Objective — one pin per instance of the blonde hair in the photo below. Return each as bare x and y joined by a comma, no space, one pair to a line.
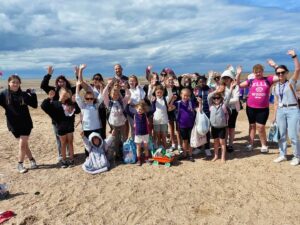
258,67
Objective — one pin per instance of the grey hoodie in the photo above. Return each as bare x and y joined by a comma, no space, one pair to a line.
96,162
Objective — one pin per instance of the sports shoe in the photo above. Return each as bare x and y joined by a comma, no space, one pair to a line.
249,148
208,152
180,150
191,159
63,164
21,168
71,163
279,159
295,161
196,151
229,149
139,163
33,164
264,149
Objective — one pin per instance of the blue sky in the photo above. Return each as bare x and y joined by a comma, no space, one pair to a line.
186,35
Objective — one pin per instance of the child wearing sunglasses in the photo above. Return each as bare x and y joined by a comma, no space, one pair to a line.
219,115
89,111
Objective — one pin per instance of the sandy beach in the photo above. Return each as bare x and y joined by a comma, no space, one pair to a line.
248,189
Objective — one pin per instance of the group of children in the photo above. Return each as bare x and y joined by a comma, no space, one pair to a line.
165,105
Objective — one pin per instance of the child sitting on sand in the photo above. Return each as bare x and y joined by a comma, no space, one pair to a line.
219,114
96,162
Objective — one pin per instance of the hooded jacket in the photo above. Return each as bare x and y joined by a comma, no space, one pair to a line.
96,162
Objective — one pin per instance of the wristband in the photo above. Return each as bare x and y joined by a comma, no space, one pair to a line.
294,56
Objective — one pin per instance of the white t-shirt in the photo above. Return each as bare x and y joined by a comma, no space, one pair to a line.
116,117
161,113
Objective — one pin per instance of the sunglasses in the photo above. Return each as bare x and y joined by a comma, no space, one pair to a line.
217,78
280,73
97,78
216,98
89,99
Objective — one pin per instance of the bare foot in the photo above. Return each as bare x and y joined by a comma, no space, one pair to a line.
223,160
214,159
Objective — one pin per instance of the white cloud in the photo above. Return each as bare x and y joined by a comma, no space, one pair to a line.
188,36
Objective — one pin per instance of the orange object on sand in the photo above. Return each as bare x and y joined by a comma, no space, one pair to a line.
163,159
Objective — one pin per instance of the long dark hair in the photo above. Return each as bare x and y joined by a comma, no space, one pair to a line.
62,77
19,91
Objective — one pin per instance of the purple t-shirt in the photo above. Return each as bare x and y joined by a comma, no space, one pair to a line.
259,92
186,114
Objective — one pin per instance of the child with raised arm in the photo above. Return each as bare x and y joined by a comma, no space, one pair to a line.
137,94
63,113
15,103
96,86
115,104
160,116
219,116
89,110
185,115
141,128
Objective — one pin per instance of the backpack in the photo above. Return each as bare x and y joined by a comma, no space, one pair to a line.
219,117
129,151
110,104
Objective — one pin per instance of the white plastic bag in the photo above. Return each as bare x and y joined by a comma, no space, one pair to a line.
202,123
197,139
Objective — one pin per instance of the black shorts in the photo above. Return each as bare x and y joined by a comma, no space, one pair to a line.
171,115
218,132
19,133
257,115
185,133
232,118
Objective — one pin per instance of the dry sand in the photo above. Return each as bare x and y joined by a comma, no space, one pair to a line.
248,189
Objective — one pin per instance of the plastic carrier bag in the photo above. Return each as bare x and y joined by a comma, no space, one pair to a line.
202,123
274,133
197,139
129,151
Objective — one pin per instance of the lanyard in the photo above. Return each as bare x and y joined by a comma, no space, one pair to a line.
281,90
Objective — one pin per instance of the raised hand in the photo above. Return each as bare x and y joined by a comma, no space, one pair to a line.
51,94
153,98
291,52
82,66
76,70
50,70
211,74
233,84
78,82
239,70
271,63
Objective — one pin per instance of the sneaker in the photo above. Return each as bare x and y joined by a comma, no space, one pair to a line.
71,163
172,148
208,152
180,150
191,159
196,151
279,159
59,159
230,149
33,164
63,164
21,168
139,163
249,148
182,157
264,149
295,161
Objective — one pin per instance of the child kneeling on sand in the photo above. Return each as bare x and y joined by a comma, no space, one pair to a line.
96,162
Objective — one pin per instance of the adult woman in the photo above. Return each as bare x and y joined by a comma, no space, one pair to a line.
19,122
258,104
234,104
287,112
